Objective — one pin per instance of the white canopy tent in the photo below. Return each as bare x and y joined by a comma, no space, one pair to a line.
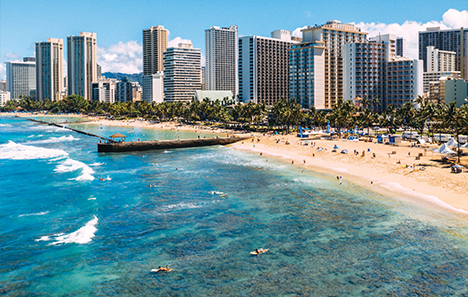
452,143
444,149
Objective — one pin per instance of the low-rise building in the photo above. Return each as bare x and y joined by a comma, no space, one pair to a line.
152,89
104,90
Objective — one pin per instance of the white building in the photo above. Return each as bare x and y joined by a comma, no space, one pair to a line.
335,35
49,69
224,97
221,72
82,65
439,64
404,81
3,85
364,70
21,79
104,90
4,97
182,66
264,68
152,87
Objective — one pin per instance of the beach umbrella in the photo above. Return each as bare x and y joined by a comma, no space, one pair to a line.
444,149
452,143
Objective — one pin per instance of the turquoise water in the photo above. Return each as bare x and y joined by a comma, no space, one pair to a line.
66,232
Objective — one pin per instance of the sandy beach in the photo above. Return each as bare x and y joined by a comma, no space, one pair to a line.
386,169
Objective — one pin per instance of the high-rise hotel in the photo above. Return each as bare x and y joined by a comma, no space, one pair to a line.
264,67
182,66
21,78
221,72
452,40
334,36
155,42
49,69
82,66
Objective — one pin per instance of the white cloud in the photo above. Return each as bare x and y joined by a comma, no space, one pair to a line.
122,57
297,32
455,19
127,57
2,72
175,42
13,57
451,19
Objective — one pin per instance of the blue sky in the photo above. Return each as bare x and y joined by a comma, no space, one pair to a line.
119,24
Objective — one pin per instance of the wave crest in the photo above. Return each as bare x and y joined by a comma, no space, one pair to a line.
15,151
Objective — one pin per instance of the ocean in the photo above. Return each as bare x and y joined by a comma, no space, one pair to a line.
74,222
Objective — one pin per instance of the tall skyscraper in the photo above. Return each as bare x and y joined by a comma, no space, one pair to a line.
307,74
49,69
221,59
452,40
21,79
182,66
364,70
264,68
335,35
82,65
155,41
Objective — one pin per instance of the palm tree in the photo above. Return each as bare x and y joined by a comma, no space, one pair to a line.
452,121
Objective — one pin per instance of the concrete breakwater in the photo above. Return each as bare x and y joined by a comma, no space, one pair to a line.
71,129
166,144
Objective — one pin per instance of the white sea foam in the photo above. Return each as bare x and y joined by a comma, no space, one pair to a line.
166,152
34,214
5,125
15,151
83,235
393,186
70,165
53,140
97,164
92,198
43,238
183,206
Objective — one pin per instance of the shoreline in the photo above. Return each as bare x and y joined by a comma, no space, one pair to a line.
433,187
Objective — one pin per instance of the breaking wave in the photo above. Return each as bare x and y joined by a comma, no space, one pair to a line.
70,165
83,235
53,140
15,151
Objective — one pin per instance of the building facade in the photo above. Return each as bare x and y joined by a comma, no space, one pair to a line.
182,66
104,90
4,97
400,46
3,85
126,91
264,69
439,64
82,65
21,79
452,40
456,90
153,87
307,74
335,35
221,71
403,81
364,70
155,41
49,69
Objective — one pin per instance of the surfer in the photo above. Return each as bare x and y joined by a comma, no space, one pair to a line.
161,269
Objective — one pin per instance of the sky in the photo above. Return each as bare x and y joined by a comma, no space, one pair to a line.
119,24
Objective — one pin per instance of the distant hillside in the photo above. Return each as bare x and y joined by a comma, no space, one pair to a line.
120,76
